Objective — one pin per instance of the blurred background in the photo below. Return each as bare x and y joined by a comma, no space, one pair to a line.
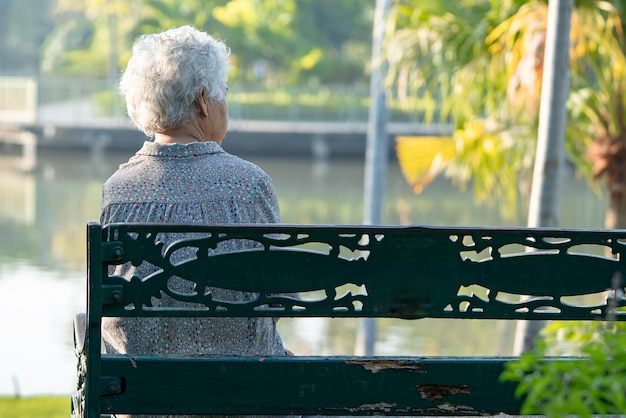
461,82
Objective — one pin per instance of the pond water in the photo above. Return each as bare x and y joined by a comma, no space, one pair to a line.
42,258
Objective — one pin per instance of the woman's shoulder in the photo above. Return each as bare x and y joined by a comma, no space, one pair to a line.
125,172
243,167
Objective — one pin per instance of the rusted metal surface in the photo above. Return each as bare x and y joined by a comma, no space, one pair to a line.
439,392
381,406
377,365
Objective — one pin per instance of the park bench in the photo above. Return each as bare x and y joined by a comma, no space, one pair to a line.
408,272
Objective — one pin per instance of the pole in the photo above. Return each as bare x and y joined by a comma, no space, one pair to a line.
549,157
376,155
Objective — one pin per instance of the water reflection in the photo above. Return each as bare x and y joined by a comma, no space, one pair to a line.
37,306
17,198
42,257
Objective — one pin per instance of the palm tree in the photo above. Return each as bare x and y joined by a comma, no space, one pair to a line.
598,104
440,54
479,63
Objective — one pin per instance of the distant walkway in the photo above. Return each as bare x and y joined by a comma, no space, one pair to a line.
77,113
77,125
81,113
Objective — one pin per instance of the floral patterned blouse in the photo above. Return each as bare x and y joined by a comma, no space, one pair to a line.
197,182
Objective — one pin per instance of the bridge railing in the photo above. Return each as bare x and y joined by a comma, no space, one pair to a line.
18,100
79,101
98,98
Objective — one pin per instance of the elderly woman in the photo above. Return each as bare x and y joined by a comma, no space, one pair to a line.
175,90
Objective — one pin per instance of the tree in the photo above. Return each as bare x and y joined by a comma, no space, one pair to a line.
479,63
160,15
263,36
300,40
90,36
598,104
441,54
337,40
285,41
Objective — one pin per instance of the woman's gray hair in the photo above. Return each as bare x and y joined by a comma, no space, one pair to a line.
167,71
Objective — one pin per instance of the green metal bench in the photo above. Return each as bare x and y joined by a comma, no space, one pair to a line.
408,272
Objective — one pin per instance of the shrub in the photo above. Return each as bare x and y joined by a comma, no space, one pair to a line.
591,380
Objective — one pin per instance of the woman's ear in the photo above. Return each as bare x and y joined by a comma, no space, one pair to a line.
203,102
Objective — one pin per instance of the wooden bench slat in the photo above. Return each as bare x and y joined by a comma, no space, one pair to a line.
310,385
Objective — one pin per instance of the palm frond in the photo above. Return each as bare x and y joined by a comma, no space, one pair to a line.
423,158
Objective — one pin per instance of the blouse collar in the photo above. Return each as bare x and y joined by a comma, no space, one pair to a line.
157,149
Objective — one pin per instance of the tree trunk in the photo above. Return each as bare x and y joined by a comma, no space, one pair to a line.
545,193
615,217
376,155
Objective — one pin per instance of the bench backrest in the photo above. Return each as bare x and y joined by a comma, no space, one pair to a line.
339,271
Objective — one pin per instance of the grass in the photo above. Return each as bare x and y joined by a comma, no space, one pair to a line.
38,406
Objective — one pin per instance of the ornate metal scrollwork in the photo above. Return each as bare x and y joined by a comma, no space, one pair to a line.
364,271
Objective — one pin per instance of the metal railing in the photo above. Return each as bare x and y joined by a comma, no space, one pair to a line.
88,102
79,101
18,100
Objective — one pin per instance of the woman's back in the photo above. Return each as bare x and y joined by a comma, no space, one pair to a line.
194,183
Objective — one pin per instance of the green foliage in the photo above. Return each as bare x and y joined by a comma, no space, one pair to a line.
160,15
323,103
563,386
293,104
441,56
245,102
475,62
49,407
108,103
342,32
89,36
437,47
273,42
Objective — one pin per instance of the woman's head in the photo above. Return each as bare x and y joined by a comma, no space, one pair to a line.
166,74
